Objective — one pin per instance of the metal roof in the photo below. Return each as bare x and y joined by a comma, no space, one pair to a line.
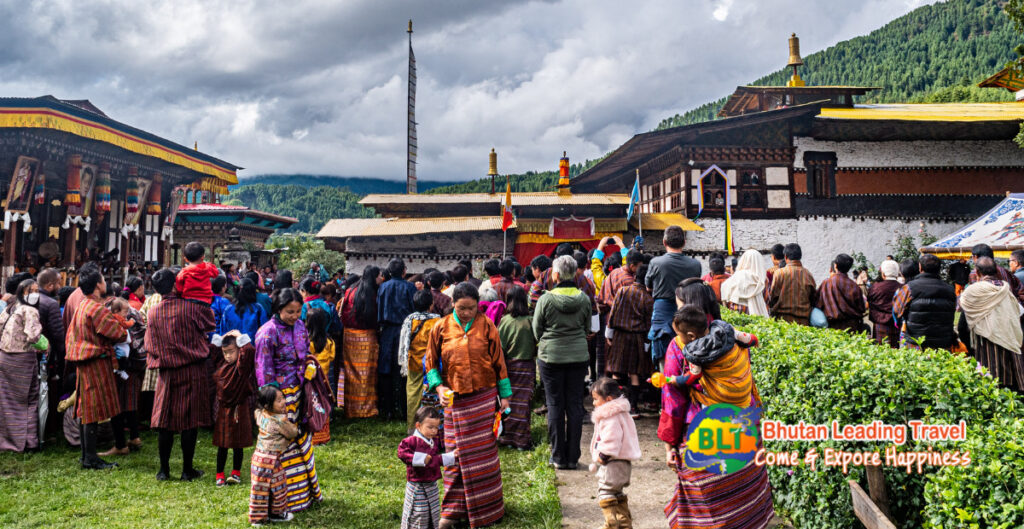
209,210
929,112
518,199
83,119
392,227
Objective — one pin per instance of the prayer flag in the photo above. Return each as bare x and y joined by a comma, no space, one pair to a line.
506,211
634,197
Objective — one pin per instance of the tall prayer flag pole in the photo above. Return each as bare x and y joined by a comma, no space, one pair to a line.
507,217
410,186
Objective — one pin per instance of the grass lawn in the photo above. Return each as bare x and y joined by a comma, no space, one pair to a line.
362,479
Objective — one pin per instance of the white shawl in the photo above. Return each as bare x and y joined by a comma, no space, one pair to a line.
746,285
993,313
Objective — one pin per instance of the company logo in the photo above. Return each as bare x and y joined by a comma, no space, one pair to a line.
722,438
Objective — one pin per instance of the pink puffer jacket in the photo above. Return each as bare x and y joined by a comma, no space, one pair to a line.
614,432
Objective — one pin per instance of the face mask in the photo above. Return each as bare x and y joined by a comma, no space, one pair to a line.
32,298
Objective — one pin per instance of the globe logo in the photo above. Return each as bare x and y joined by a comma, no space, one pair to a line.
722,438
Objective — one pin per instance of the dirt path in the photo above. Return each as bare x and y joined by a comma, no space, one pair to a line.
651,486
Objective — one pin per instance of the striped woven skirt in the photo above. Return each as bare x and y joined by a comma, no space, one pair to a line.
742,500
359,392
1006,366
97,390
128,391
19,401
182,399
149,381
323,436
627,356
472,488
269,488
522,375
297,460
422,508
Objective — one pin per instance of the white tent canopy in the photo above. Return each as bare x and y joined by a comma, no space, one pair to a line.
1002,228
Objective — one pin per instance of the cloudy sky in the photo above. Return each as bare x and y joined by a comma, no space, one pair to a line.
319,87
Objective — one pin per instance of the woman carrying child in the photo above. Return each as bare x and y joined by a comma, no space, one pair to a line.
131,362
268,499
710,363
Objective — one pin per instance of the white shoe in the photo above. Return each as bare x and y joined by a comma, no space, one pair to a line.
287,517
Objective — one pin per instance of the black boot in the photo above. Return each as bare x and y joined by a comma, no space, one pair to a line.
634,397
90,460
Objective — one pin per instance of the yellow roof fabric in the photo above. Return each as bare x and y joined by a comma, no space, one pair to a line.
660,221
930,112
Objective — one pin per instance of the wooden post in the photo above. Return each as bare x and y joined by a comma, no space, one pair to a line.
865,509
10,252
70,246
877,490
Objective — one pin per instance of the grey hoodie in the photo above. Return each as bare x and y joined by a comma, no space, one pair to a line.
560,323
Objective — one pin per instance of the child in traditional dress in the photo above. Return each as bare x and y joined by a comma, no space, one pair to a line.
193,282
423,459
235,385
268,501
321,346
412,347
716,355
119,308
614,447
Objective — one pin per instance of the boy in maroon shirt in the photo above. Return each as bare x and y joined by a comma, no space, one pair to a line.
423,459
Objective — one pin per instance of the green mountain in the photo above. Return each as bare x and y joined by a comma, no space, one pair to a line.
356,184
313,206
936,53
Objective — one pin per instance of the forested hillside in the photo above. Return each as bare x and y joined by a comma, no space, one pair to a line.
356,184
528,182
935,53
313,206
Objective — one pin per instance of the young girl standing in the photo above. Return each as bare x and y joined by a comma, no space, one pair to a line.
322,347
520,347
235,385
614,447
268,501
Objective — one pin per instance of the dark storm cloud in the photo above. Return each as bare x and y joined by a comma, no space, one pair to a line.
319,87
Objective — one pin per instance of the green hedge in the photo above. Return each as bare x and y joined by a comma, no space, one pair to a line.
822,375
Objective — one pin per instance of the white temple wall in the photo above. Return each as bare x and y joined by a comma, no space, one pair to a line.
821,239
888,154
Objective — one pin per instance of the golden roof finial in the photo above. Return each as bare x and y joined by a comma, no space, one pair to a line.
795,61
410,25
493,171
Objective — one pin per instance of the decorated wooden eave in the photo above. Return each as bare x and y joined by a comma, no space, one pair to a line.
83,120
228,214
1010,78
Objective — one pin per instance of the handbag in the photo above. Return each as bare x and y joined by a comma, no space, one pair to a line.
818,318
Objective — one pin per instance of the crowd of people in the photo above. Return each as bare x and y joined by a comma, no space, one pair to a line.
458,359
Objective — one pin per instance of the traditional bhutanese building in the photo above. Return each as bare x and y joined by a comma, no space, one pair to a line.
210,224
809,165
436,231
81,186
